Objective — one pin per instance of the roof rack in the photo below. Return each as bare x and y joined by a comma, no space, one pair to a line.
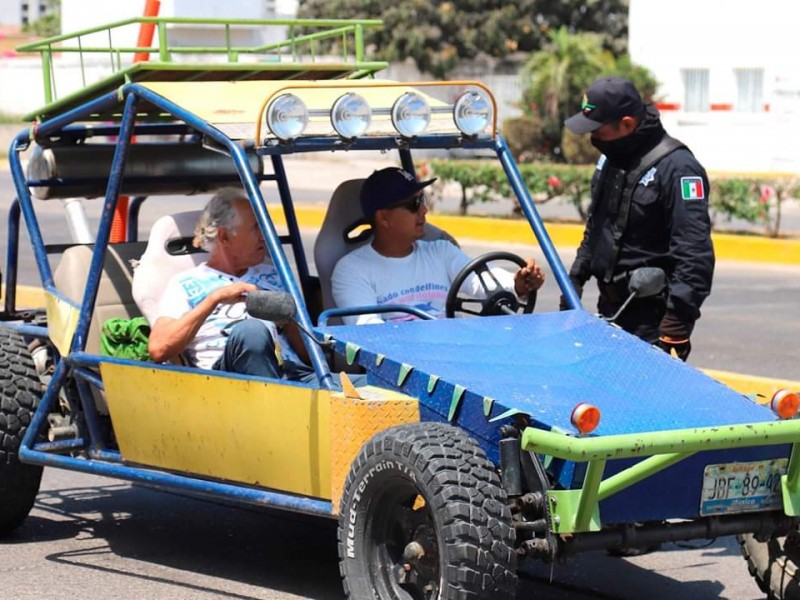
296,57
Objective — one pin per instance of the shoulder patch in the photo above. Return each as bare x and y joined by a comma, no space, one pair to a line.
600,162
692,188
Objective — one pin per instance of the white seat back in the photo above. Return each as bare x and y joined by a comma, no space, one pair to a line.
169,251
114,297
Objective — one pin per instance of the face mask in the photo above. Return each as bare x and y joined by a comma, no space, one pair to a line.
624,152
620,151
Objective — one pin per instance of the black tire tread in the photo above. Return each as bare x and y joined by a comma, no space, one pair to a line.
20,392
775,570
468,497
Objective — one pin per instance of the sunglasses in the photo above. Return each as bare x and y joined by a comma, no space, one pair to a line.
414,204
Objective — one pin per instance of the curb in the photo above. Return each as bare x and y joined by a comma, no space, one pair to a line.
726,246
763,387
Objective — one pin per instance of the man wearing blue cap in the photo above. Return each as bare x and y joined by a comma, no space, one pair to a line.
649,208
398,267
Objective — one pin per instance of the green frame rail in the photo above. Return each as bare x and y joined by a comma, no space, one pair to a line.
578,510
300,51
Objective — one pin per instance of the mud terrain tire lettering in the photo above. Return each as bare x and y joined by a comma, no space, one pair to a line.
428,486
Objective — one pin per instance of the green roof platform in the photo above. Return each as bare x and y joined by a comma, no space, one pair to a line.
298,57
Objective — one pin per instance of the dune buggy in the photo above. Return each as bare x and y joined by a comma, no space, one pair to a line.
477,443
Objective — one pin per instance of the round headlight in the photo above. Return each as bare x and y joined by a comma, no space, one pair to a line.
411,114
351,115
472,113
287,117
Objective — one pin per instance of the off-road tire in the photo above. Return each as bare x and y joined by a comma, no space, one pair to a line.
775,564
20,392
431,484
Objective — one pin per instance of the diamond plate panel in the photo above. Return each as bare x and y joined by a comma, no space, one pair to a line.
353,422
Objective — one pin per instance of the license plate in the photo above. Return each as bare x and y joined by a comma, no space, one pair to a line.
742,487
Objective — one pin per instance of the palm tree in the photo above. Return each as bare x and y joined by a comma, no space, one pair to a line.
558,75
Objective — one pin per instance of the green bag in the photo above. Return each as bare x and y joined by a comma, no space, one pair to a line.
125,338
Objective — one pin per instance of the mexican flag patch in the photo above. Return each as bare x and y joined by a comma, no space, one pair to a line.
692,188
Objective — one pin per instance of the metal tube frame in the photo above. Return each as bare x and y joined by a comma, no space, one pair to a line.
12,258
660,450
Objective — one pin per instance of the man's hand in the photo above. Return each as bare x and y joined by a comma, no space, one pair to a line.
169,337
234,292
528,278
677,348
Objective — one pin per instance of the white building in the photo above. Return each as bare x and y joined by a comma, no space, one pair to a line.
71,73
729,74
18,13
78,15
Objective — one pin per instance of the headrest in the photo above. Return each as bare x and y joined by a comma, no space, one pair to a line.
169,251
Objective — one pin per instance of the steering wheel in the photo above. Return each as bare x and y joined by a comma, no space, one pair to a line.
498,300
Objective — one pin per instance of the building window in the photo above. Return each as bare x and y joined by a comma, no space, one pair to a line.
695,86
749,90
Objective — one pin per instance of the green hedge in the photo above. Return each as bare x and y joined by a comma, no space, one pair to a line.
755,199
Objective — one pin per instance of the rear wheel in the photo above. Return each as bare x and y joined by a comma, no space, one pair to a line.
775,564
20,392
424,517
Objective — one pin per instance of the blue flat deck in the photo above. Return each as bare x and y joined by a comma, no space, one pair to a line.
544,364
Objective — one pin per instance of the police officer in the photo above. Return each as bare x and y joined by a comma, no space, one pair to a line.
649,207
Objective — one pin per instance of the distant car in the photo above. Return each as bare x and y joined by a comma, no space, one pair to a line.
478,443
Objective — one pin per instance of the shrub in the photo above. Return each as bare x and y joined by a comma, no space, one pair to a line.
523,136
756,200
578,149
483,181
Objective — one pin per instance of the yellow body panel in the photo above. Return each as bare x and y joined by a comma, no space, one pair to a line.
62,320
353,422
266,434
272,435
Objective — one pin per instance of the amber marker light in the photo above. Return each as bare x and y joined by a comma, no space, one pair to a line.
785,404
585,418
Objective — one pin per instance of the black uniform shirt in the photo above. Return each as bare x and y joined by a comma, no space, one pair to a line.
668,226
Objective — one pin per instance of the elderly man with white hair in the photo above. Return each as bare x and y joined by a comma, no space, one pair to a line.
202,311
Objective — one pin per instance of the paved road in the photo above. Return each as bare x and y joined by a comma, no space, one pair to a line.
99,538
96,537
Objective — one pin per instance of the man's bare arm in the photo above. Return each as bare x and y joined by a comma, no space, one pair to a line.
169,337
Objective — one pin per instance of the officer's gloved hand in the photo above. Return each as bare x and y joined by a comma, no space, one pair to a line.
562,302
675,348
674,336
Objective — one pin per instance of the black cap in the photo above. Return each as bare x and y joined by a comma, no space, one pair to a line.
607,100
387,187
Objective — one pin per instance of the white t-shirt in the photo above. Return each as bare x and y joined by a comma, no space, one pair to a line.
187,289
422,279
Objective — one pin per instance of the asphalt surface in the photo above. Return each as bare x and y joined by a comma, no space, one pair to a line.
91,537
95,537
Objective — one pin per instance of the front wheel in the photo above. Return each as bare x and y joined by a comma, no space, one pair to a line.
424,517
775,564
20,392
